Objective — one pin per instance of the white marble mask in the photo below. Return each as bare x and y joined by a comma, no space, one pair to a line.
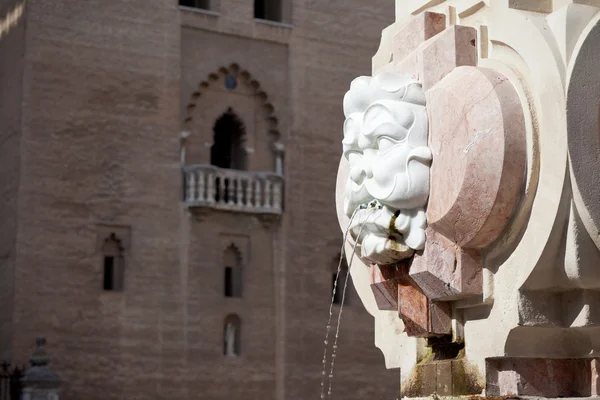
385,142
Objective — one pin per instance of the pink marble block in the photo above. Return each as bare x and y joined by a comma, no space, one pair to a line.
455,47
444,271
421,316
420,29
544,377
384,284
477,137
413,308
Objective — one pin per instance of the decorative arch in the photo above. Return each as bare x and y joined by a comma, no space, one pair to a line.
234,70
232,254
112,246
229,135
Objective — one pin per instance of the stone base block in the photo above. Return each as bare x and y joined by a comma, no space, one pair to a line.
446,272
421,316
443,378
542,377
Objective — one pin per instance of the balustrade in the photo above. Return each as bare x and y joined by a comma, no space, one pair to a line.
256,192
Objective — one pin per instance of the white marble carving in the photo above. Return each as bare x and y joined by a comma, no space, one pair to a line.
385,142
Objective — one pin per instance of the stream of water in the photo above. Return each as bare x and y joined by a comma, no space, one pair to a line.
337,332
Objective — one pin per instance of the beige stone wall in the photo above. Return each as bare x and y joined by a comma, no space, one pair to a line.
106,91
210,373
12,48
99,147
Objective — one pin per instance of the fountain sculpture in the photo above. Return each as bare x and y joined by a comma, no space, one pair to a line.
470,186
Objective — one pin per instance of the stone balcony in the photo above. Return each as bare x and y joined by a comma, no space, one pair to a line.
233,190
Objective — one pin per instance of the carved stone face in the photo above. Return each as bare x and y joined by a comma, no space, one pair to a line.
385,142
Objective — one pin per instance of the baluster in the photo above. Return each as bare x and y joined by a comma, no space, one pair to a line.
277,196
201,186
210,192
220,188
249,193
191,186
267,193
240,192
257,194
231,191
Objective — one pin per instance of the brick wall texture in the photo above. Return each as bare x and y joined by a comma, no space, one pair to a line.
93,96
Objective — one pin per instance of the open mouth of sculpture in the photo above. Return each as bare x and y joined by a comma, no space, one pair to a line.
386,237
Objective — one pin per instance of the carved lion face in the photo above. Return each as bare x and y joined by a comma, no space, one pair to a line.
385,142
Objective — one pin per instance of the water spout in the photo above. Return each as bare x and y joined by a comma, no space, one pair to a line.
326,341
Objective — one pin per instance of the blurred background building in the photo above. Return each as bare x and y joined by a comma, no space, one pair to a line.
167,212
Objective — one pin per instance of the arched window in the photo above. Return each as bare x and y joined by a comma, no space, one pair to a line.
341,281
228,150
233,272
114,264
232,335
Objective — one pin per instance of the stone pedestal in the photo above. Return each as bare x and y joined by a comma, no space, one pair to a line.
39,381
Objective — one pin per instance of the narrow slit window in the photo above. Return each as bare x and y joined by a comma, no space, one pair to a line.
233,281
113,266
109,272
228,282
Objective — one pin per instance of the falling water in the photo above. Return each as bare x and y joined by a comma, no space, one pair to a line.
339,268
337,331
326,342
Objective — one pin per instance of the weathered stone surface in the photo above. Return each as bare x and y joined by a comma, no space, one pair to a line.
444,378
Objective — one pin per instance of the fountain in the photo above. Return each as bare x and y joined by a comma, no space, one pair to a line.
469,184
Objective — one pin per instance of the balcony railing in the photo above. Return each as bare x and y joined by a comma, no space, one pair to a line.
228,189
